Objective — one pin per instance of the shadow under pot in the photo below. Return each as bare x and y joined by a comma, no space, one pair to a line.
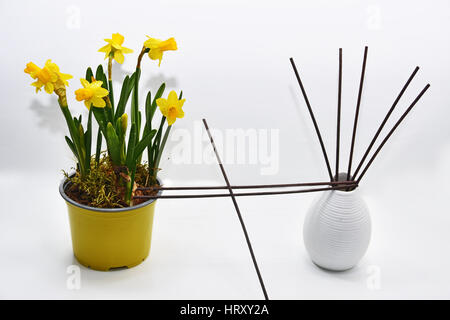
105,239
337,230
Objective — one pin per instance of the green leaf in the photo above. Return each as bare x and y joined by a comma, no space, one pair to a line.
113,144
138,125
82,144
161,148
153,148
130,85
98,149
100,116
89,74
100,76
158,95
134,99
160,130
71,146
76,121
148,105
121,135
111,94
124,95
140,147
130,162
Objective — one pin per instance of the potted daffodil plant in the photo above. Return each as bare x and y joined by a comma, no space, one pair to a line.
110,227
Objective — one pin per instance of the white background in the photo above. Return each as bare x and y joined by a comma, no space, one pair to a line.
233,67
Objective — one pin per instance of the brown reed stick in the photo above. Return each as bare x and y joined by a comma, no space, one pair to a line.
313,118
238,211
411,77
255,186
338,127
355,123
246,194
392,131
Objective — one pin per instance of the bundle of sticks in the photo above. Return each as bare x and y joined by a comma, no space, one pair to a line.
352,179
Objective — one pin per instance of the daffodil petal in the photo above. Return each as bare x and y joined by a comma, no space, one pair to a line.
49,87
116,46
181,102
106,49
117,38
98,102
152,43
84,82
171,120
161,102
96,84
118,56
172,98
127,50
180,113
101,92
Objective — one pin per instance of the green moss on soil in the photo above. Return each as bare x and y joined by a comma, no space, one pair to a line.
103,187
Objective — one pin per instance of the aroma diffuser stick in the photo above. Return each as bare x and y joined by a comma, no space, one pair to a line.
384,122
311,113
355,123
392,131
254,186
246,194
338,133
238,211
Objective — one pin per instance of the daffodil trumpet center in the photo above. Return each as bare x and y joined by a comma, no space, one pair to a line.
92,93
167,45
84,94
172,113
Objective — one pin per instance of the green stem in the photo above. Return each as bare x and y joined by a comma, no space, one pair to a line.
110,85
73,134
155,148
130,185
161,149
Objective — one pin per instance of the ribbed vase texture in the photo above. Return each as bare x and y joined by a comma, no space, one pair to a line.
337,230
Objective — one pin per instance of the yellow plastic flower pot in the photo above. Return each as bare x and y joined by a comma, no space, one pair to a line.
105,239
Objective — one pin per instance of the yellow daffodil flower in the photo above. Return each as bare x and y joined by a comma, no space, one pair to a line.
48,77
157,47
92,93
115,48
171,107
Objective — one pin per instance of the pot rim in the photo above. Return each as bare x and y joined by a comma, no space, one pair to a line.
62,188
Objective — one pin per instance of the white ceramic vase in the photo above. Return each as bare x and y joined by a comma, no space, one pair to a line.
337,230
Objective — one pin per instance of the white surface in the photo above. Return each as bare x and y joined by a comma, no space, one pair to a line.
233,67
